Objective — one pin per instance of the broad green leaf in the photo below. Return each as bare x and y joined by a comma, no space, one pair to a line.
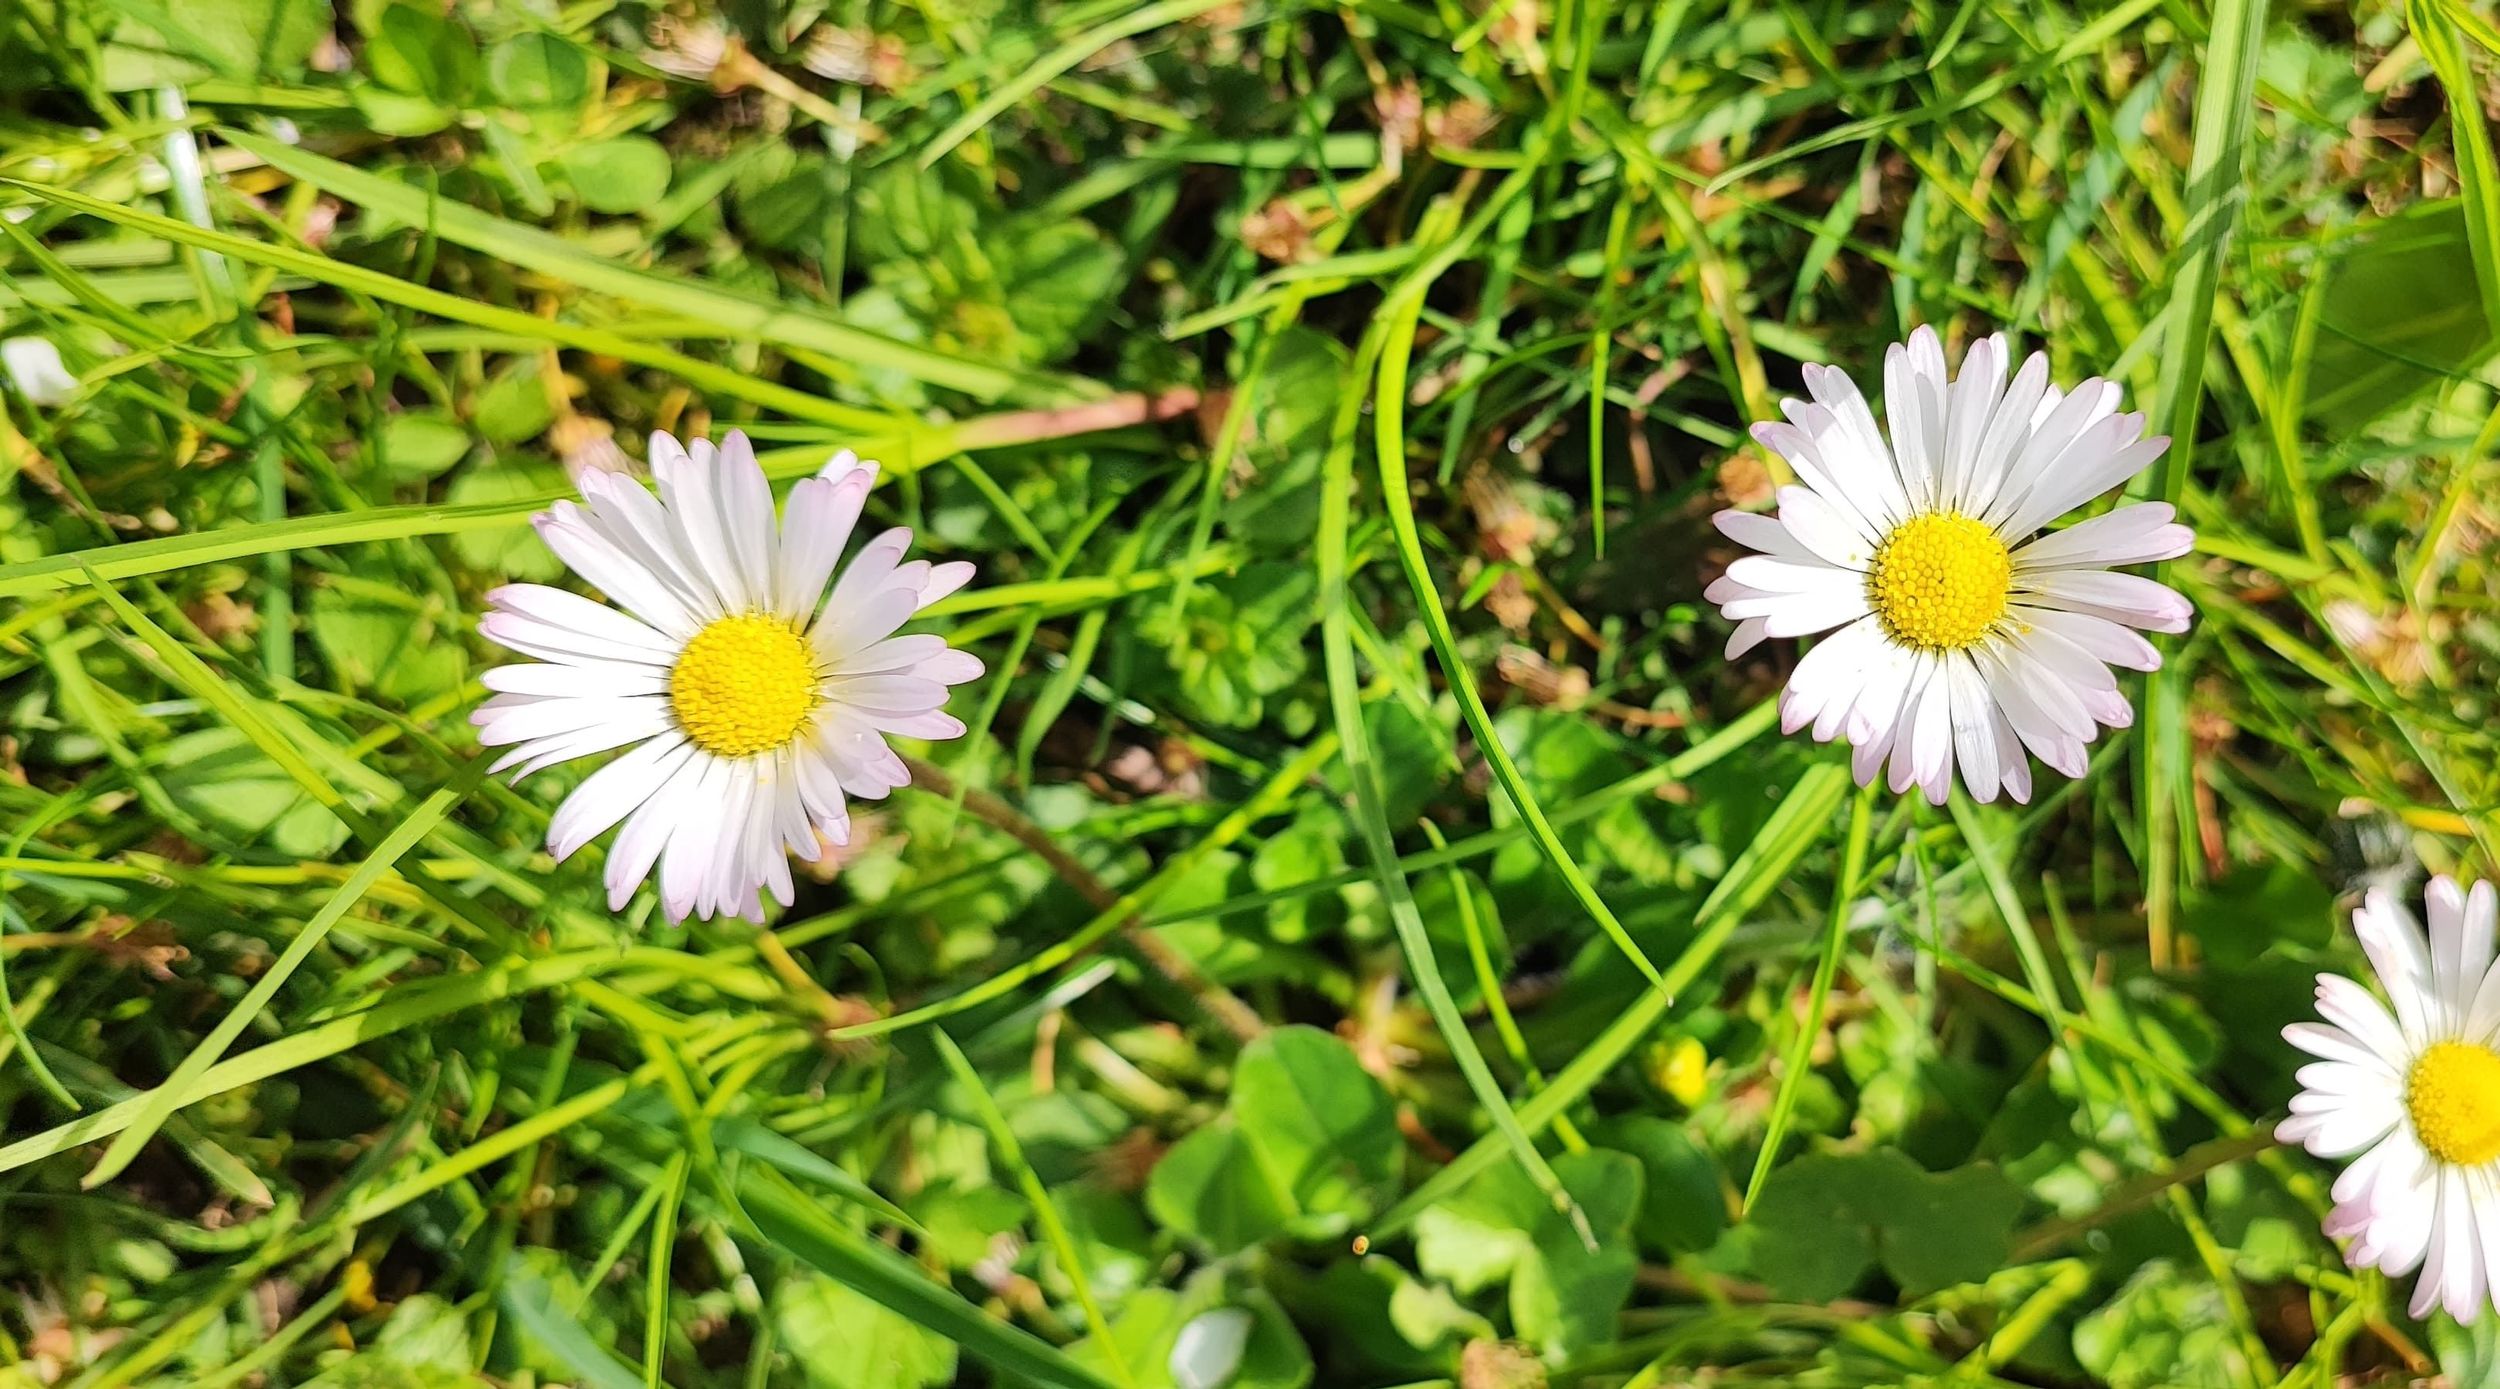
626,174
186,40
422,444
1683,1196
2165,1328
218,775
1825,1219
538,71
2393,324
512,553
1209,1186
1564,1296
390,649
843,1340
1319,1125
419,52
794,1224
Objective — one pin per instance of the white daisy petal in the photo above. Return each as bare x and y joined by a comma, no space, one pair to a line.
2413,1099
1972,645
753,704
2128,598
2136,534
1822,529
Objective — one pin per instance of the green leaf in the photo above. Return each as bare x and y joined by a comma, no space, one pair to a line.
843,1340
1309,1147
2163,1329
514,553
389,648
793,1223
217,775
419,52
1826,1218
1564,1295
1209,1186
403,114
538,71
422,444
1683,1201
626,174
534,1305
1319,1125
2258,908
186,40
2393,324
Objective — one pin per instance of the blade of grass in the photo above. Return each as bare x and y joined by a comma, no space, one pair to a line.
172,1094
792,1223
2478,177
1794,1065
710,376
780,324
1369,813
1064,58
1063,1246
2217,185
1798,824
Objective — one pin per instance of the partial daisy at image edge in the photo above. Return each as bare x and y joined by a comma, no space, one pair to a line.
755,703
2412,1097
1963,633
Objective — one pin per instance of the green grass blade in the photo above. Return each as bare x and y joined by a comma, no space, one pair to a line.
162,1101
780,324
1800,1055
1063,1246
406,1006
1389,414
710,376
1370,817
2436,30
2217,185
794,1225
1796,826
1041,71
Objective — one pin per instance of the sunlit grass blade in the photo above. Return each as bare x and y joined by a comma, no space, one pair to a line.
1370,819
1799,1058
2436,29
1063,1246
782,324
172,1093
1799,824
794,1225
1040,72
2226,99
723,381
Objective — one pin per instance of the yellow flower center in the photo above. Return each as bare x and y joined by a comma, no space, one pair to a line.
2454,1098
743,685
1939,581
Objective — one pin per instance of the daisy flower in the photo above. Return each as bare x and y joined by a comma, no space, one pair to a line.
2416,1096
755,702
1966,633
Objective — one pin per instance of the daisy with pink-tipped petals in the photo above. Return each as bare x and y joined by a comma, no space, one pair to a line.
753,701
1965,636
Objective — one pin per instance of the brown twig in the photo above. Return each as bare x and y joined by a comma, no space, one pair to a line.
1220,1003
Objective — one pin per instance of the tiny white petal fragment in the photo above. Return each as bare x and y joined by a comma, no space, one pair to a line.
1208,1351
35,370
